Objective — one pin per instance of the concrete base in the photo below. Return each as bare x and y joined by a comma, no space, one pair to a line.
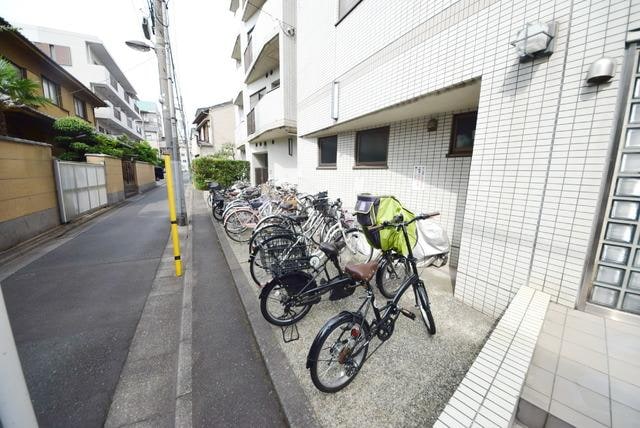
146,187
17,230
115,197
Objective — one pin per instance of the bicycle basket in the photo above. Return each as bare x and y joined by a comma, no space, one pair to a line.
372,211
281,254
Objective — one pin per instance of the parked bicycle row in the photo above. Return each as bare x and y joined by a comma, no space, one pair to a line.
302,247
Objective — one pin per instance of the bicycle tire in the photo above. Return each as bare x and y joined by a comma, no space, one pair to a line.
348,320
240,234
265,296
392,262
425,310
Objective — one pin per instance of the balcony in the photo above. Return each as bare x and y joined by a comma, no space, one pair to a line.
235,53
105,86
118,122
267,59
267,120
250,8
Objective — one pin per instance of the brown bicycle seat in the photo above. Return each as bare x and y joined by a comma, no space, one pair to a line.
362,271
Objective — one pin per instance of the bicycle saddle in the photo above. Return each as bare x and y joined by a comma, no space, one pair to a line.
331,249
297,218
362,271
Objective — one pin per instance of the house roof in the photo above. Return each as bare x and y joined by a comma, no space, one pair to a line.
17,37
201,112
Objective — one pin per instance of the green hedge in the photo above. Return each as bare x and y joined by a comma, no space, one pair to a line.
224,171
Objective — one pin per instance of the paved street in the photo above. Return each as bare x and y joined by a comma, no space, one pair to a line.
231,386
74,311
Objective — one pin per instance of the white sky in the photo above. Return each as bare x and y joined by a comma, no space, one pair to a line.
202,36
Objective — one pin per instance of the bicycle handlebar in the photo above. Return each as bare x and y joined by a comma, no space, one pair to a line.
398,221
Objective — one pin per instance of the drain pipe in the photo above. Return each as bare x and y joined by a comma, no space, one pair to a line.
15,405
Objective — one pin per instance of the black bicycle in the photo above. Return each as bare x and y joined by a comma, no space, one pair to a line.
287,298
340,347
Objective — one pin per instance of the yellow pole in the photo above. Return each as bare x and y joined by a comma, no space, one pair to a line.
172,215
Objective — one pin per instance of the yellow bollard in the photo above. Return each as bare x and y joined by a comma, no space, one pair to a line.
172,215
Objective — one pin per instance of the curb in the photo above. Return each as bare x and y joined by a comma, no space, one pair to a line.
293,400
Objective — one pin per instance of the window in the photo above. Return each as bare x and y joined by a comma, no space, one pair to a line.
60,54
126,97
463,132
113,82
80,108
372,146
51,91
275,84
22,73
327,151
253,99
345,7
290,142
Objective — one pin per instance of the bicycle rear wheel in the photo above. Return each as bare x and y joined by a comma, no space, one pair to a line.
425,309
240,224
357,249
338,352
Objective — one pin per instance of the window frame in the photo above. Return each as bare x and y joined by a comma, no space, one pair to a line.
365,165
319,143
77,100
341,18
21,70
58,101
456,152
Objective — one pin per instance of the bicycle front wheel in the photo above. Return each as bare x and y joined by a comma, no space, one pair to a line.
425,309
338,352
393,270
240,224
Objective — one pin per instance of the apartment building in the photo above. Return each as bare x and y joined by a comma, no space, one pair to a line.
87,58
151,123
214,128
519,121
265,55
67,95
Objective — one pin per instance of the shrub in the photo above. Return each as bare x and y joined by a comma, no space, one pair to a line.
73,127
224,171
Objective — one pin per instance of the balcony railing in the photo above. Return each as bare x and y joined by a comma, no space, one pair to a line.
251,122
248,56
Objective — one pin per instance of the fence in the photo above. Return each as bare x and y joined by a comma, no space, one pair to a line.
82,187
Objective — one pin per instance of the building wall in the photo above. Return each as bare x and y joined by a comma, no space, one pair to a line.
113,172
542,134
442,187
223,123
28,201
36,68
145,176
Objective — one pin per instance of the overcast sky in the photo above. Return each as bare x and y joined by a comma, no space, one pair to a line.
202,31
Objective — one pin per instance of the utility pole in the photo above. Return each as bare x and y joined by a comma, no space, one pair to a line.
168,108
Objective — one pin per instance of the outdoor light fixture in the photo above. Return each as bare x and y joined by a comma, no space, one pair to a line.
334,100
601,71
139,46
535,40
432,125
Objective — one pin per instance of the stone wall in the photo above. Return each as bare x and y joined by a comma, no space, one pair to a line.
145,176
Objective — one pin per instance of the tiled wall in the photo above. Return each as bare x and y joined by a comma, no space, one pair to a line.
442,188
541,137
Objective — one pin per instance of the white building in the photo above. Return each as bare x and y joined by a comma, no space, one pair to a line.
214,128
534,167
151,123
265,54
87,58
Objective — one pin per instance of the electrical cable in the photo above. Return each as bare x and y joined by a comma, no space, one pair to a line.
273,17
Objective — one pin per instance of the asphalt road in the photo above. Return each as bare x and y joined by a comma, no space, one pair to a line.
74,311
231,386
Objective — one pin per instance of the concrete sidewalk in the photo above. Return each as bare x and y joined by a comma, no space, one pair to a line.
74,310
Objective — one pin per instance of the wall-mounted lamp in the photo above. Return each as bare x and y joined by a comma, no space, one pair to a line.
432,125
601,71
535,40
335,93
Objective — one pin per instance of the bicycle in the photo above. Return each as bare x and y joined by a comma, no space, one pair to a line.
340,347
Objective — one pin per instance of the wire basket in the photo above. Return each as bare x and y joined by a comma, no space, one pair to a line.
283,254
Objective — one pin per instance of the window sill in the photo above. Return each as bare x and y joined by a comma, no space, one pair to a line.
370,167
326,167
459,155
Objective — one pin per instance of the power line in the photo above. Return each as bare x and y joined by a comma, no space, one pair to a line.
273,17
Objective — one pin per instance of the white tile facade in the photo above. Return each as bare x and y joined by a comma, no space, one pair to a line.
541,139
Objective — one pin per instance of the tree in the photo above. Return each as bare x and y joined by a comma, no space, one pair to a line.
227,151
16,93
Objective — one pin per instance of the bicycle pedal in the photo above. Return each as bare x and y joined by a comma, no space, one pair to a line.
408,314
